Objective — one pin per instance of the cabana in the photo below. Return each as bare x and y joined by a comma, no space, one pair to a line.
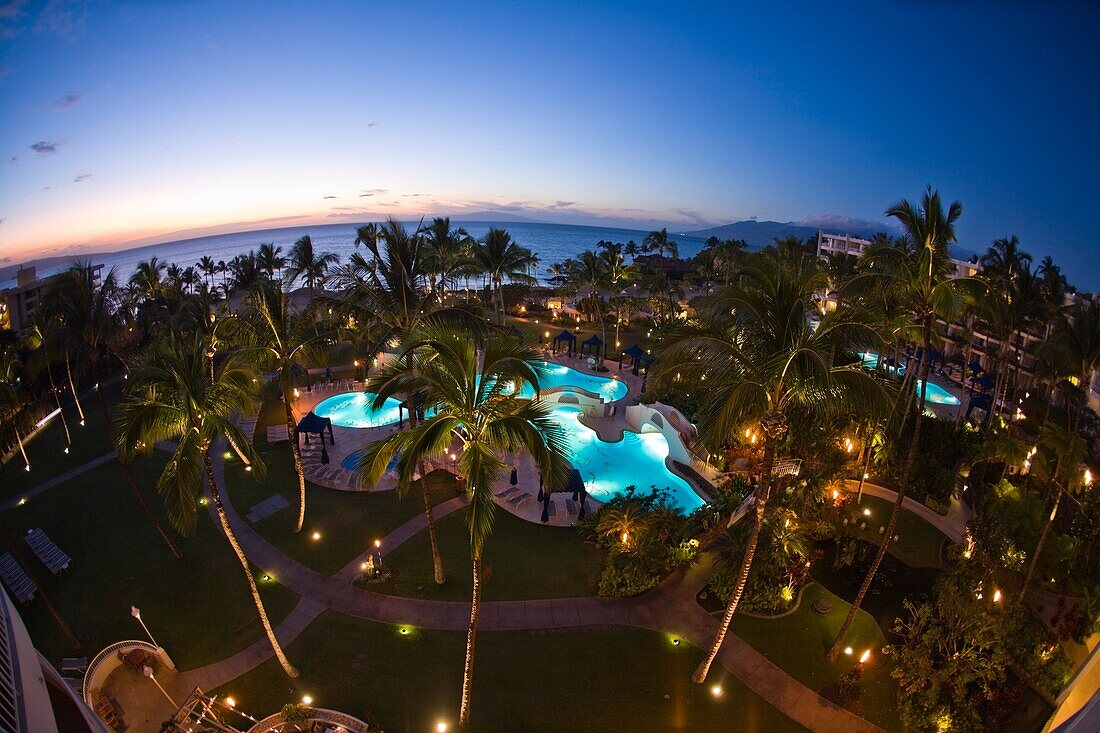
317,425
594,343
567,337
635,353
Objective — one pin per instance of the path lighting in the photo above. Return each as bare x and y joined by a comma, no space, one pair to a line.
316,536
865,656
307,700
848,650
716,691
441,727
996,596
866,476
297,394
1088,477
230,702
866,512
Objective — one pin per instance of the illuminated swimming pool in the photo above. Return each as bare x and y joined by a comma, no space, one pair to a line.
936,394
636,460
353,410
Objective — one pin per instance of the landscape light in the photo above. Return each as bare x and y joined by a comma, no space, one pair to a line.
716,691
231,702
1088,477
996,596
848,650
363,566
378,543
316,536
866,512
441,727
866,655
307,700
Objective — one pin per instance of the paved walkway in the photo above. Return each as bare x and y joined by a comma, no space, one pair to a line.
671,608
56,480
953,524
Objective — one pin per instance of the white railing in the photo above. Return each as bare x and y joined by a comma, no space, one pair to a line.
106,662
274,723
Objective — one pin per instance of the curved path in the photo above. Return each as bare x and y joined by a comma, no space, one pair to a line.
952,524
671,609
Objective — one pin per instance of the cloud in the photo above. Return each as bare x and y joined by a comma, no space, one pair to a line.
558,205
13,160
46,147
82,177
64,18
65,102
364,195
330,197
3,220
840,222
413,195
372,124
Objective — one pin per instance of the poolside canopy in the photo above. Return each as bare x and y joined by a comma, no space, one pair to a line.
566,336
317,425
635,352
594,343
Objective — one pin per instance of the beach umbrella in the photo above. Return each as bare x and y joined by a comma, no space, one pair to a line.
324,451
584,506
635,352
546,508
514,478
540,486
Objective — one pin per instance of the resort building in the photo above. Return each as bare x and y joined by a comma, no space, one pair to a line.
34,697
965,340
18,303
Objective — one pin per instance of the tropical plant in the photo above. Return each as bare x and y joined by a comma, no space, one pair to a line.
178,394
921,277
445,249
88,313
283,340
754,350
479,410
659,242
304,262
500,258
270,259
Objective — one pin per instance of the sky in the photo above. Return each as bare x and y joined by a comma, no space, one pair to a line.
132,122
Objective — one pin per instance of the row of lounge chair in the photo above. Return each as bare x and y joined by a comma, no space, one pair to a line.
516,497
17,580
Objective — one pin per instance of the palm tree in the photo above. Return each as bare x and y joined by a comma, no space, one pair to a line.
147,279
499,257
11,399
1062,452
755,352
477,409
919,274
658,241
270,258
631,249
281,339
1077,340
177,395
208,267
304,262
1004,261
444,251
89,315
591,271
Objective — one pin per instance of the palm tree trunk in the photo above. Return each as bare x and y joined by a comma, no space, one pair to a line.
19,440
1042,541
903,482
149,514
216,496
437,557
471,638
296,454
72,388
771,437
61,412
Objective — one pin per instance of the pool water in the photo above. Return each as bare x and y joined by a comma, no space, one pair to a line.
636,460
935,394
353,410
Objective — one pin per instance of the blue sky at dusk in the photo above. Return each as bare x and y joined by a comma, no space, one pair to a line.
134,121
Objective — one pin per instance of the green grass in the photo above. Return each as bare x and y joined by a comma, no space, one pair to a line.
797,644
621,680
523,560
198,608
349,522
627,336
919,543
46,449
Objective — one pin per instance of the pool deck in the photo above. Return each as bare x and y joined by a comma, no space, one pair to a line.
349,440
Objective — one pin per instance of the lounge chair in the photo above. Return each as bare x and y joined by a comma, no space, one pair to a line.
519,500
18,582
570,506
507,492
45,550
551,510
74,665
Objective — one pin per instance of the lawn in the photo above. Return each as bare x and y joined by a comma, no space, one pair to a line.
198,608
523,560
623,679
919,543
46,449
797,644
348,521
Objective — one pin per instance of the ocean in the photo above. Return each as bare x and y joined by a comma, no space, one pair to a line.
551,242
